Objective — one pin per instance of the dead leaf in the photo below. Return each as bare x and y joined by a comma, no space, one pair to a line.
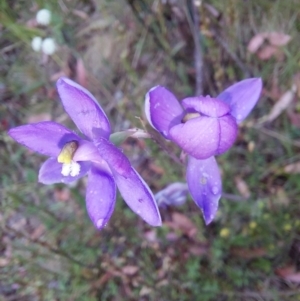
151,236
81,14
293,110
199,250
251,146
4,261
296,80
280,106
156,169
274,93
54,77
8,247
285,271
32,23
248,253
145,291
18,223
103,279
39,117
281,198
278,38
242,187
293,277
38,231
98,24
293,168
166,266
269,51
212,10
255,42
172,236
163,282
275,40
4,125
130,270
182,223
81,73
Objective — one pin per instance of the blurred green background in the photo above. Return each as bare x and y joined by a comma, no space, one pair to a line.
119,49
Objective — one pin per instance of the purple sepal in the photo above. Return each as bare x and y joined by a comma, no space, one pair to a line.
83,109
113,156
242,97
162,109
205,185
46,138
138,196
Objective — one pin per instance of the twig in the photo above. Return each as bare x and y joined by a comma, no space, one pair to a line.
278,136
161,142
234,197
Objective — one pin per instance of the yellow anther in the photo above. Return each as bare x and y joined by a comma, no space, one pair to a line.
67,152
189,116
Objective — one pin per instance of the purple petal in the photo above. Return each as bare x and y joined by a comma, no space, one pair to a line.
228,133
83,108
205,185
206,105
138,196
162,109
100,196
46,137
242,97
87,151
113,156
50,172
199,137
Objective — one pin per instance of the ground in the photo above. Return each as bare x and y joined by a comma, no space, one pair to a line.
120,49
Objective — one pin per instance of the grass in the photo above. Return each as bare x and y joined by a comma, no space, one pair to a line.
49,249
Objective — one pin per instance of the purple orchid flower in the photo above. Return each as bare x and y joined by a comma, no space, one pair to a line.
203,128
71,157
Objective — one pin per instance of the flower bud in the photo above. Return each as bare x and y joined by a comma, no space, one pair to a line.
43,16
36,44
118,138
48,46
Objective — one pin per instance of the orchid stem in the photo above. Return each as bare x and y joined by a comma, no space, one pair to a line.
198,58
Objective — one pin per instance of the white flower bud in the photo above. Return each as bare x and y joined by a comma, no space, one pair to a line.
48,46
43,16
36,44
